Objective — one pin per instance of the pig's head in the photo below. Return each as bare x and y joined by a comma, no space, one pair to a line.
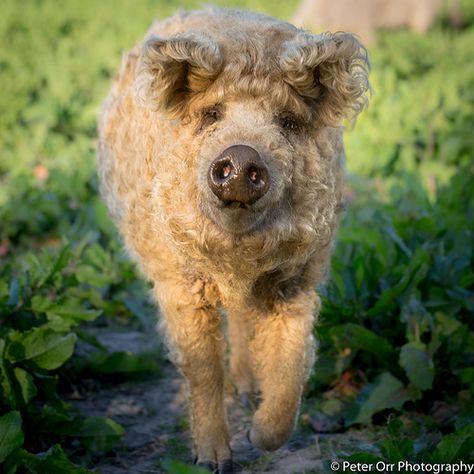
258,114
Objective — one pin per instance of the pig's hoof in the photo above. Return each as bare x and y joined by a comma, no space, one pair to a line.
270,441
226,467
243,449
245,400
210,465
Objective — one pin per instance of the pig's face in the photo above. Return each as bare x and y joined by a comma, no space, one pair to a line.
246,162
259,142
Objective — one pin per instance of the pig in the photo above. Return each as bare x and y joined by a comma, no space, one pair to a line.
221,161
364,17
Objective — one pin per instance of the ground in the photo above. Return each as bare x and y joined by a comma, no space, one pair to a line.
153,412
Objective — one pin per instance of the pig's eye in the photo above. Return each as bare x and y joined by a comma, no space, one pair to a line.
210,116
289,123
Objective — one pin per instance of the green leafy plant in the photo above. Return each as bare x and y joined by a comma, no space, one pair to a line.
397,311
36,339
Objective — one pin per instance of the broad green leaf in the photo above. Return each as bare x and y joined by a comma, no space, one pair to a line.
384,392
53,461
63,315
46,348
397,449
26,382
418,365
11,435
457,446
99,433
358,337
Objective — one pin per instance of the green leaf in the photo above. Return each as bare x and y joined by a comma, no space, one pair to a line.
43,346
446,325
53,461
47,384
98,269
14,292
11,435
99,433
384,392
457,446
466,376
145,313
397,449
7,380
63,315
57,421
93,276
418,365
176,467
3,289
411,278
123,363
358,337
417,318
26,382
59,264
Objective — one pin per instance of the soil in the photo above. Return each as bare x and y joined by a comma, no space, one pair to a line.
154,413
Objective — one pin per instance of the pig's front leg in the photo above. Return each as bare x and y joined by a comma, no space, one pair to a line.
283,355
193,335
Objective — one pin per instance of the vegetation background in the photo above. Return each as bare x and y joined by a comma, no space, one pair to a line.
396,333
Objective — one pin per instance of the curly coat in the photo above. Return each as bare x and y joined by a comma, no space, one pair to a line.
201,82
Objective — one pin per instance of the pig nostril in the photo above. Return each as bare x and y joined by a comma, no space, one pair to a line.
222,171
226,171
255,176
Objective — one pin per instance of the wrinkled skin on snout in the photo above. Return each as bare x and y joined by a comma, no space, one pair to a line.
221,161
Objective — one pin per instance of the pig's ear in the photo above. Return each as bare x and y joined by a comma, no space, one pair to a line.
174,68
330,71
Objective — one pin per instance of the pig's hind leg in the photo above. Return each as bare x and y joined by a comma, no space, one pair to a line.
240,332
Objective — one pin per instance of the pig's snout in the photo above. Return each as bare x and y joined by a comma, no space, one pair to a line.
238,176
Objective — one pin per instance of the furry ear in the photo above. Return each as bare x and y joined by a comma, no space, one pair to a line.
330,71
172,69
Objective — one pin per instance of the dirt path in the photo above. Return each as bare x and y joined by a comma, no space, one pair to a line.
153,411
